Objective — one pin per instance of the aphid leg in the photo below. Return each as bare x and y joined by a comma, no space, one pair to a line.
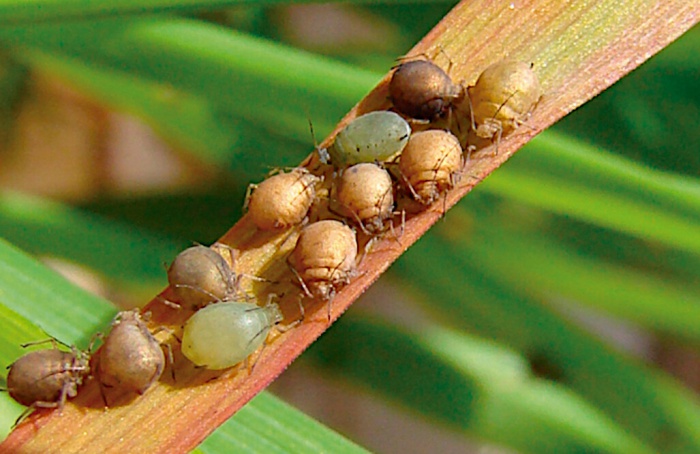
301,281
167,347
169,303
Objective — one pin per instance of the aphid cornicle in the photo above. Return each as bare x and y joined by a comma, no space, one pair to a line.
420,89
46,378
503,97
223,334
131,359
324,258
199,276
282,200
373,137
364,194
429,163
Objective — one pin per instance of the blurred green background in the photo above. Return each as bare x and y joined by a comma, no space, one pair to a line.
547,312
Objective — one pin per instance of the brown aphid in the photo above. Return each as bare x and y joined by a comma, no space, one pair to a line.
364,194
282,200
324,258
503,98
47,378
429,164
420,89
199,276
131,359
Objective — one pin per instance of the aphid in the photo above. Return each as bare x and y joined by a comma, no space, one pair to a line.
373,137
503,97
224,334
131,359
364,193
324,257
283,200
199,275
46,378
429,163
420,89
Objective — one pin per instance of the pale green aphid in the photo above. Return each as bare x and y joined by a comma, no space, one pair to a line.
223,334
373,137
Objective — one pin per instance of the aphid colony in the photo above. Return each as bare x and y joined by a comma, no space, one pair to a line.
376,160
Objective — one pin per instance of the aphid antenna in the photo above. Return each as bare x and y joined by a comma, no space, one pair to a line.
323,154
51,339
248,194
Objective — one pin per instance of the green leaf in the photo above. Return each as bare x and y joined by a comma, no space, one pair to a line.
469,384
648,404
268,425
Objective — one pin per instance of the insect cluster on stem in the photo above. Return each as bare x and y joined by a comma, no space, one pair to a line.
378,160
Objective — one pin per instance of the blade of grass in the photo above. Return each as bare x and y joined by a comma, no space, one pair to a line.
567,177
268,425
115,250
201,58
579,48
471,385
648,404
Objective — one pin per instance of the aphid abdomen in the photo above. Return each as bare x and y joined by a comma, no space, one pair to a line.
372,137
283,200
199,276
324,257
422,90
224,334
503,97
364,194
429,164
131,358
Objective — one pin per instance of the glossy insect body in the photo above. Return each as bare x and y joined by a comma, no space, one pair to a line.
503,97
131,358
283,200
420,89
224,334
46,378
429,163
324,257
372,137
364,193
199,276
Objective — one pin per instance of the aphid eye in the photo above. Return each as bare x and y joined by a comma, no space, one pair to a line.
503,97
131,359
46,378
372,137
282,200
364,194
199,276
223,334
324,257
429,164
422,90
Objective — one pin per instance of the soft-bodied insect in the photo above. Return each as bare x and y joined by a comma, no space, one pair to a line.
430,163
503,97
200,275
364,194
282,200
422,90
131,359
324,258
373,137
47,378
223,334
